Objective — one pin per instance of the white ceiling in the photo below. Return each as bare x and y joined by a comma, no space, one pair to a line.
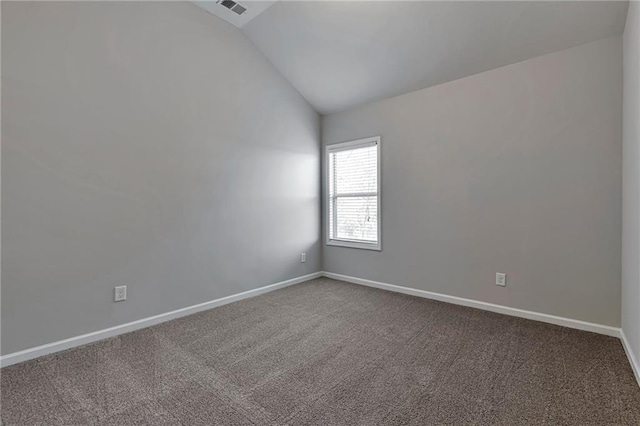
343,54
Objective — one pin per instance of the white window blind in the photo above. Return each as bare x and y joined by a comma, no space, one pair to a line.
353,194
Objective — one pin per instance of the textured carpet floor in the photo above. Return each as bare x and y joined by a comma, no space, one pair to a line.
326,352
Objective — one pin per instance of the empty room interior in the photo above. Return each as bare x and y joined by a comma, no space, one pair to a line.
320,213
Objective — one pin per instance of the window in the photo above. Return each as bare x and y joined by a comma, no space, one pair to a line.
353,194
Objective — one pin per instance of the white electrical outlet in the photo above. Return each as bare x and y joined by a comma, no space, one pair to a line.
501,279
303,257
120,293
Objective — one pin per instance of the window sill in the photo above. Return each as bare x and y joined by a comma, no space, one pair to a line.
355,244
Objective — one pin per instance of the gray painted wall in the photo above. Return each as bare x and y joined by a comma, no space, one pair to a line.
147,145
514,170
631,182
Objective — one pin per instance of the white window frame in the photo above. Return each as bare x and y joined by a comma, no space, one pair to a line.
359,143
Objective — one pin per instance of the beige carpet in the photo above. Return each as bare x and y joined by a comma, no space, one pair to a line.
327,352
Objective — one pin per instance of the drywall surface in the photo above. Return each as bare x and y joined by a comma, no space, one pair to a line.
342,54
148,145
631,182
515,170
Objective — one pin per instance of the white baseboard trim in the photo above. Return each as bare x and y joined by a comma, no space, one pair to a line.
633,360
521,313
49,348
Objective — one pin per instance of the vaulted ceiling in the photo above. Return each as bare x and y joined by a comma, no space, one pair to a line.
340,54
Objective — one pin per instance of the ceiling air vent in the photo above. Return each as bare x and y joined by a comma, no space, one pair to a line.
232,5
239,9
